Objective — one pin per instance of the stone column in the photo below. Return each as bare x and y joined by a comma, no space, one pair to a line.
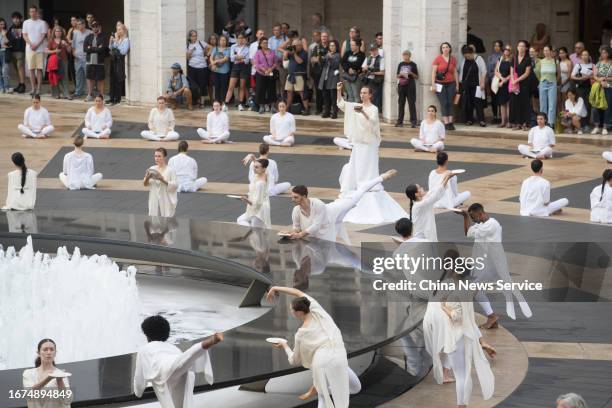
419,26
200,17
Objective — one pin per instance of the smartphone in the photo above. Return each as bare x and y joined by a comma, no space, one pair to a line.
358,108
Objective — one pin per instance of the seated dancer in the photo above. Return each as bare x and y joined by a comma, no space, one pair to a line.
78,170
541,140
607,156
217,126
403,227
312,217
161,123
535,194
98,120
186,170
170,371
452,198
601,199
282,127
161,180
36,121
431,133
274,187
318,345
257,214
21,194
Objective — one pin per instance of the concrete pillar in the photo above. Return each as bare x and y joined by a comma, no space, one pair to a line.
200,17
419,26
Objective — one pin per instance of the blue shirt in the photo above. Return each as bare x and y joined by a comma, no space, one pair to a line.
218,54
274,43
239,50
294,67
123,46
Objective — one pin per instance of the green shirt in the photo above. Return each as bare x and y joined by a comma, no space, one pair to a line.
546,70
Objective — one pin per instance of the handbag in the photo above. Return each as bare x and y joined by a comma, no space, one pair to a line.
513,86
441,75
275,73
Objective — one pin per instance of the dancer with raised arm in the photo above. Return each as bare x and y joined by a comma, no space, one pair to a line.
36,121
257,214
186,169
78,170
98,120
274,187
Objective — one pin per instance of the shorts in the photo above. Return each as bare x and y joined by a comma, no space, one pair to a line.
297,87
18,59
35,59
242,71
94,72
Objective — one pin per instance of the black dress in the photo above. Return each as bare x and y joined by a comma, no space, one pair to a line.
503,96
520,106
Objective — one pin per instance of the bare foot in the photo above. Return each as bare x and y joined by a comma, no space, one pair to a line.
308,394
286,145
207,141
559,211
388,174
448,377
491,322
491,352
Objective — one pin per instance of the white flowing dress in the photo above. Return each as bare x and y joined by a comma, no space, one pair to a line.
163,198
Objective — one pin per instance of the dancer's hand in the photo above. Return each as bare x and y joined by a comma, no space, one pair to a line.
280,344
272,293
248,158
297,235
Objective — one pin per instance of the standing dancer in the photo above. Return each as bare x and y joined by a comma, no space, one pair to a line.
274,187
161,180
257,214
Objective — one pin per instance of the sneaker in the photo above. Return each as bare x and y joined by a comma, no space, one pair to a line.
604,131
262,110
240,107
89,98
224,108
580,132
451,126
268,108
399,124
595,130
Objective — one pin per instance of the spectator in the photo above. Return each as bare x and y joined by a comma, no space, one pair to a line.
582,74
472,72
89,18
407,74
520,109
533,81
492,62
58,50
295,58
118,46
239,55
502,71
213,41
220,66
475,41
374,74
80,61
571,400
274,42
73,27
378,39
548,73
265,64
603,75
354,34
96,47
178,90
18,47
316,51
253,48
35,34
565,68
445,83
540,38
352,61
328,82
4,56
285,27
317,24
574,112
197,66
578,48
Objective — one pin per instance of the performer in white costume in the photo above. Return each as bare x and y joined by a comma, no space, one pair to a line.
36,121
21,194
535,194
601,199
161,180
170,371
431,133
282,127
404,228
274,187
161,123
362,124
541,140
607,156
318,345
257,214
98,120
452,197
217,126
78,170
186,170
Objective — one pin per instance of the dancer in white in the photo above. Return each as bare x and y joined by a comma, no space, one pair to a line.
170,371
217,126
601,199
186,170
318,345
257,214
431,134
161,180
541,140
161,123
535,194
452,197
607,156
404,228
21,194
282,127
274,187
98,120
312,217
362,125
36,121
422,207
78,170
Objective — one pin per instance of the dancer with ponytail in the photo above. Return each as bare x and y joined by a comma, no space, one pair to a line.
601,199
21,193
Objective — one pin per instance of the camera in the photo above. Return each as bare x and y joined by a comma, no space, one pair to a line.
320,51
290,48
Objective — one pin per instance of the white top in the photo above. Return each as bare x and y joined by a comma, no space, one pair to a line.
272,171
431,133
423,216
79,168
98,121
160,122
488,231
586,70
357,128
535,194
36,31
372,60
253,48
30,378
15,200
185,168
540,138
317,224
171,372
217,123
36,119
163,198
601,206
260,202
282,126
198,57
450,192
578,108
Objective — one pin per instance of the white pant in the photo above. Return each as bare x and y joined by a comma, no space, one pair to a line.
343,143
97,135
279,188
250,221
95,179
550,208
354,387
419,145
222,138
461,198
337,209
147,134
27,132
483,300
525,150
290,140
463,379
607,156
192,186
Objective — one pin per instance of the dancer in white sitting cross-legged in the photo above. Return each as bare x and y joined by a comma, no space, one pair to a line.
282,127
78,170
431,133
161,123
601,199
217,126
36,121
98,120
541,140
186,170
607,156
452,197
535,194
274,187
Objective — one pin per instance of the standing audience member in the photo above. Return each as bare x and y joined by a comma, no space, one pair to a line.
186,170
217,126
239,55
89,18
354,34
582,74
197,65
58,50
577,55
445,82
316,51
252,85
548,73
36,121
534,83
18,48
80,57
374,74
565,70
220,66
161,123
603,77
378,40
574,112
78,169
473,73
35,32
5,43
21,194
265,64
119,46
282,128
328,82
296,60
541,140
352,61
407,74
178,90
98,120
213,42
96,47
520,108
492,62
73,27
161,180
502,71
317,23
274,42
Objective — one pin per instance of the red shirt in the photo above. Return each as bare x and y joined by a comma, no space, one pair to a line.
442,68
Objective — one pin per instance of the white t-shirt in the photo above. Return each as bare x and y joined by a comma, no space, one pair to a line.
36,31
36,119
431,133
252,51
535,194
217,123
540,138
198,57
282,126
